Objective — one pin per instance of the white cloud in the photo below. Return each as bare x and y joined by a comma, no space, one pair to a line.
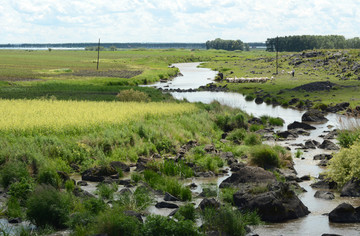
172,20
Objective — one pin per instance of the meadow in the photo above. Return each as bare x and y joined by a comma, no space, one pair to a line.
60,117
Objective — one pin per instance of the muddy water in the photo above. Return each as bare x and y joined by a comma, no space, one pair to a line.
316,223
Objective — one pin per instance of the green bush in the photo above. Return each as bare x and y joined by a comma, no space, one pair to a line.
255,127
172,168
47,206
49,176
132,95
264,156
106,191
167,184
114,223
276,121
22,189
227,194
14,209
228,221
136,177
186,212
157,225
13,171
237,135
345,165
252,139
137,201
249,97
347,138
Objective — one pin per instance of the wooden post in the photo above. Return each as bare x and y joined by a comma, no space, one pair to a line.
97,66
277,54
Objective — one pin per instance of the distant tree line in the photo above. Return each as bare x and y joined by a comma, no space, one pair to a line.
299,43
108,45
229,45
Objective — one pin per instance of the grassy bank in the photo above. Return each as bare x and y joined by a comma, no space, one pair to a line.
335,66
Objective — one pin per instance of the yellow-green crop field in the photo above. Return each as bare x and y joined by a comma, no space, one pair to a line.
64,116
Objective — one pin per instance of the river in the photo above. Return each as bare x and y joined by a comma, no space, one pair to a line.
316,223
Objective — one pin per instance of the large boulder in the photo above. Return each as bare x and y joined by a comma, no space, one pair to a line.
324,184
120,165
324,195
351,189
209,202
338,107
328,145
300,125
98,174
314,116
287,134
248,174
277,205
166,205
345,213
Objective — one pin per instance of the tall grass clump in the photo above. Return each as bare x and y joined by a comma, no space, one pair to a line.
48,207
172,168
227,221
264,156
167,184
13,171
139,200
163,226
114,222
132,95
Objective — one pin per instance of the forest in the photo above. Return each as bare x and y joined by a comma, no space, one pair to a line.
297,43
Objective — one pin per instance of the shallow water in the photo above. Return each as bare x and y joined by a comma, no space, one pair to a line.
316,223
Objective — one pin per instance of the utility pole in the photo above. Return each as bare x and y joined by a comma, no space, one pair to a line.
97,66
277,54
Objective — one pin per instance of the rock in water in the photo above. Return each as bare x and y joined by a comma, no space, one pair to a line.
328,145
345,213
300,125
314,116
248,174
277,205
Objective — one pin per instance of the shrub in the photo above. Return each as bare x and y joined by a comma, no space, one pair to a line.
137,201
237,135
47,206
106,191
170,168
49,176
69,186
227,194
252,139
167,184
114,223
12,172
22,189
276,121
265,156
13,209
186,212
347,138
132,95
228,221
94,205
136,177
249,97
255,127
163,226
345,165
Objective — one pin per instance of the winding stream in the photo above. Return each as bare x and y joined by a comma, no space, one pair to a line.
316,223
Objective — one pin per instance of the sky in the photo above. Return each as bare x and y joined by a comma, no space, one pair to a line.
196,21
